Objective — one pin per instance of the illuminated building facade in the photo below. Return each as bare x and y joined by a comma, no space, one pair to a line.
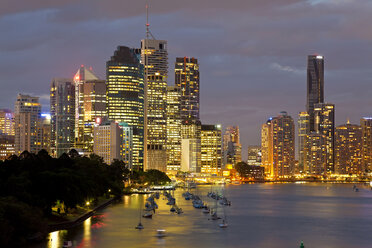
324,123
108,141
267,147
190,146
211,149
126,151
366,125
315,85
126,97
45,132
254,155
187,79
154,56
27,116
348,149
231,146
62,111
283,145
6,122
315,154
303,130
173,128
90,106
7,146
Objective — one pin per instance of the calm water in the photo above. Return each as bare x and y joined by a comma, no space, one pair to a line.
261,215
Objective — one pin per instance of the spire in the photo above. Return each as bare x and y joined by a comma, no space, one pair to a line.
148,33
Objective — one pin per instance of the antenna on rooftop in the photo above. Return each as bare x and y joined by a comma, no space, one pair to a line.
148,33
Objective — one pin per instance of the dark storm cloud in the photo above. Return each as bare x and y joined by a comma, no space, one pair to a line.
252,54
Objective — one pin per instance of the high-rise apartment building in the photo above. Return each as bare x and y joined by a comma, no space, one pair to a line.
187,79
303,130
27,111
231,146
366,125
315,85
90,106
315,154
254,155
126,97
6,122
190,146
211,149
62,111
45,132
324,123
154,56
173,128
348,149
126,151
6,146
267,147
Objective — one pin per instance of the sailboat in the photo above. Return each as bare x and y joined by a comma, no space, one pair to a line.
224,221
140,226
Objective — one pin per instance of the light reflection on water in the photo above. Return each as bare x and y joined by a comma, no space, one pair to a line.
261,215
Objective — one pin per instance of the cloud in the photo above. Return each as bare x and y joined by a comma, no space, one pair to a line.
279,67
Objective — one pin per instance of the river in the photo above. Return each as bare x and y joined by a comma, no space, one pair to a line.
261,215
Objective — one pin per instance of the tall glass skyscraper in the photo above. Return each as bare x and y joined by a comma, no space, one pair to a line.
173,128
62,111
187,79
126,97
315,85
303,130
154,56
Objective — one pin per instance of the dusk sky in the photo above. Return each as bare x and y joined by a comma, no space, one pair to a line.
252,53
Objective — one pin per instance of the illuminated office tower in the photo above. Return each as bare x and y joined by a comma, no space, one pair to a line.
267,147
108,141
324,123
27,112
62,111
254,155
6,122
315,154
211,149
315,85
45,132
283,143
366,125
126,151
90,106
303,130
154,56
348,149
190,146
231,146
173,128
126,97
7,146
187,79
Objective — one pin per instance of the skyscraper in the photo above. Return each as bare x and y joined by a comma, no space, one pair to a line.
173,128
27,112
315,85
6,122
211,149
154,56
315,154
231,145
324,123
277,142
190,146
303,130
90,106
348,149
126,97
187,79
366,125
267,147
62,110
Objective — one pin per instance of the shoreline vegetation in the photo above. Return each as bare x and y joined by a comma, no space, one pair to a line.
40,194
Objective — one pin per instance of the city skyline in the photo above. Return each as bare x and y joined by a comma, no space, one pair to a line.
260,72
